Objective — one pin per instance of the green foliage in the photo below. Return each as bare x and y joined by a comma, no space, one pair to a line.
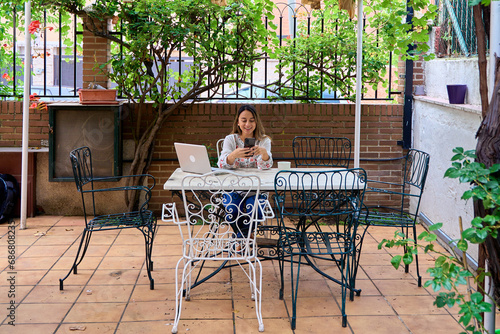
212,155
220,40
477,2
451,271
12,14
226,41
485,187
323,53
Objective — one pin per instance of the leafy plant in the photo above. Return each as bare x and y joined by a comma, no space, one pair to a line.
322,55
212,155
451,271
225,42
12,14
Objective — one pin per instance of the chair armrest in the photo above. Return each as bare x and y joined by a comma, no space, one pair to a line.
170,214
363,214
377,182
266,209
372,189
118,178
142,205
124,188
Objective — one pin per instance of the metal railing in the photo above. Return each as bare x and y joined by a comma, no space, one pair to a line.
51,79
56,63
457,35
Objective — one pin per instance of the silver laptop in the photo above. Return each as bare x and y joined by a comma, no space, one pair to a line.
193,158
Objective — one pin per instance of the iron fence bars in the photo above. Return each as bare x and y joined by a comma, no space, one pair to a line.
8,50
293,20
457,35
56,66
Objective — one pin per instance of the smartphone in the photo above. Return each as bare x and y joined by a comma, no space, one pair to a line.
249,142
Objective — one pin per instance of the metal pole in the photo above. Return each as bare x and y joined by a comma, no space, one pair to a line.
489,286
408,90
291,21
26,113
494,42
359,81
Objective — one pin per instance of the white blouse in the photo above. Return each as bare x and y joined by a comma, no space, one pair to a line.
232,142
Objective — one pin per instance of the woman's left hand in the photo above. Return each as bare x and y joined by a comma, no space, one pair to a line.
259,150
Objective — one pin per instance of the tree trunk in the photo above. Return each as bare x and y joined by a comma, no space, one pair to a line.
488,134
481,57
143,156
488,153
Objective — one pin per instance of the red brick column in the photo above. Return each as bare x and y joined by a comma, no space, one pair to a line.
418,76
96,51
401,81
418,72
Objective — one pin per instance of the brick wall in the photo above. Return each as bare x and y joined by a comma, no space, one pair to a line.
381,129
11,122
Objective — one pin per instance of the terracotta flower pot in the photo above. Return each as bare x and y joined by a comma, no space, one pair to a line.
97,96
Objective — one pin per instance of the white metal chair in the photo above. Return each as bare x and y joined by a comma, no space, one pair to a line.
265,231
212,234
170,214
220,145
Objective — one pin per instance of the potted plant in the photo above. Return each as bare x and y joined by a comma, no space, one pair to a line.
97,96
456,93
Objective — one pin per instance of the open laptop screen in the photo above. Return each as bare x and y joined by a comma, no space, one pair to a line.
193,158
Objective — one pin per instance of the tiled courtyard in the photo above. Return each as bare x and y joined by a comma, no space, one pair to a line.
110,293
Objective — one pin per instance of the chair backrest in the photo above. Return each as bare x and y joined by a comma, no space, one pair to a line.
321,151
415,175
220,145
416,168
211,216
317,194
81,162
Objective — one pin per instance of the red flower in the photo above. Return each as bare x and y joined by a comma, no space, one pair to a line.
34,97
34,105
34,26
50,28
6,77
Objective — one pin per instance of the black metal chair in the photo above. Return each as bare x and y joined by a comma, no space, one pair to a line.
142,219
309,197
316,151
410,190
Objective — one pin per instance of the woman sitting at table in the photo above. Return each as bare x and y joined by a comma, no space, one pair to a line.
247,124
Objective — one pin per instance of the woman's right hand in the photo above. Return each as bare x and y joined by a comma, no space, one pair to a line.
241,152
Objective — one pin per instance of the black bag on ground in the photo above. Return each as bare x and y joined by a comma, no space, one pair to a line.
9,193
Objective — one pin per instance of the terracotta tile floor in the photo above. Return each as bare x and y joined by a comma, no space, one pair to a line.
110,293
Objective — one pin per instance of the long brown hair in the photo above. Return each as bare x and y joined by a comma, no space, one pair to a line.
259,131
